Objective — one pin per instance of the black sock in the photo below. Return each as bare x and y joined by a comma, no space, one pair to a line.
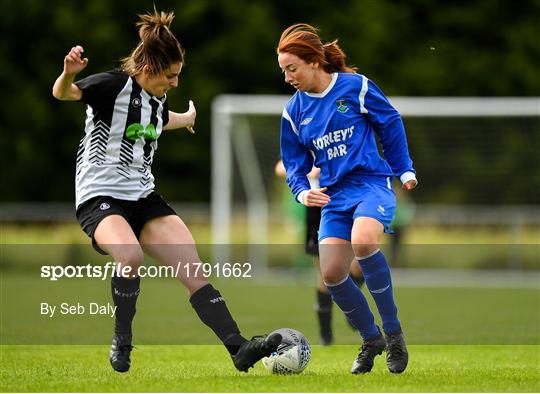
124,294
213,311
324,312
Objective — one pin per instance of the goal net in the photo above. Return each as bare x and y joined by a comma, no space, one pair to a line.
464,149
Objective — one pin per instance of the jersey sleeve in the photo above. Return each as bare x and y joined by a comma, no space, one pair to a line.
297,159
102,87
387,123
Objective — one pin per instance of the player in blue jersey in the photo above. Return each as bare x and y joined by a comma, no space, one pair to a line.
331,122
323,307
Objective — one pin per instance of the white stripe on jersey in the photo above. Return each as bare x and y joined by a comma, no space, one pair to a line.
119,119
362,95
288,117
146,113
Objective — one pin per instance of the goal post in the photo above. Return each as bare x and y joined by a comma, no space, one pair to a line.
224,107
231,137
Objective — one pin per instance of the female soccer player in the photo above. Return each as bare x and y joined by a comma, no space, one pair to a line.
324,300
126,112
331,122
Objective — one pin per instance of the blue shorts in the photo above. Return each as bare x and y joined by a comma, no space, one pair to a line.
355,198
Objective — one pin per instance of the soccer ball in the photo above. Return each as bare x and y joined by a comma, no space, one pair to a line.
291,356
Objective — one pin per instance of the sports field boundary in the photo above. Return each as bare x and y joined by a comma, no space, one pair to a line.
430,277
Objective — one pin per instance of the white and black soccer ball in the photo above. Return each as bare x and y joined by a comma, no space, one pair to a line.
291,356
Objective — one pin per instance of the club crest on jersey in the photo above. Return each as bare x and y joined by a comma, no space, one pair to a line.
341,106
136,102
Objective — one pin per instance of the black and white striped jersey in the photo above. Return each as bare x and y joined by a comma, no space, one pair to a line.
122,125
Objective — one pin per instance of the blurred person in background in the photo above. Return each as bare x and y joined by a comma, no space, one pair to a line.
324,299
331,122
117,207
405,210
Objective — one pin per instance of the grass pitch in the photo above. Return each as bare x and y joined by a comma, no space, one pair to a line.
207,368
429,315
460,340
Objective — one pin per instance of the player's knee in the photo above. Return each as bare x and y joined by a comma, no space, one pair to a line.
130,256
365,243
332,276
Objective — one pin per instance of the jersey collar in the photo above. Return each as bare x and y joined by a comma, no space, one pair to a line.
147,95
328,88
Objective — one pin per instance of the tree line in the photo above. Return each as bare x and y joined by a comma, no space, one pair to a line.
411,48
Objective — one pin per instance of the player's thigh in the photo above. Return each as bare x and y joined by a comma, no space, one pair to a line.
169,229
335,255
372,217
115,236
169,241
366,235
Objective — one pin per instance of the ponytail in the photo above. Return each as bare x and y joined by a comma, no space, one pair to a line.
335,59
303,41
158,48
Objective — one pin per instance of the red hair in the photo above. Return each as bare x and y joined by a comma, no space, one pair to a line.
303,41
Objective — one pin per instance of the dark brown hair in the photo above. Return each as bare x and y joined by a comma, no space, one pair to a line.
303,41
158,47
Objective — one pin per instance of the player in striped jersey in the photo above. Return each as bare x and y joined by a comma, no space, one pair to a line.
331,122
126,112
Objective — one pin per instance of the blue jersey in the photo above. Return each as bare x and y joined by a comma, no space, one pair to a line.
335,131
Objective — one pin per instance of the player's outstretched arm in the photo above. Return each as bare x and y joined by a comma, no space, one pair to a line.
186,119
74,63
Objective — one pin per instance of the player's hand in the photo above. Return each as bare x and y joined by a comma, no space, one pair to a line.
191,114
74,63
316,197
409,185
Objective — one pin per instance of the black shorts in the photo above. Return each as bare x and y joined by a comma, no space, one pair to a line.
137,213
313,220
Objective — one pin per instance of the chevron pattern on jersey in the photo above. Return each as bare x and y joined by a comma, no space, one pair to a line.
126,158
146,176
147,162
80,153
98,143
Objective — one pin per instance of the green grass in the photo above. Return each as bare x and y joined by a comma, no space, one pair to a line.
430,315
460,339
208,369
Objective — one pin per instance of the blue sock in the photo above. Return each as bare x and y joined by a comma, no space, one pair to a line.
378,281
353,303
